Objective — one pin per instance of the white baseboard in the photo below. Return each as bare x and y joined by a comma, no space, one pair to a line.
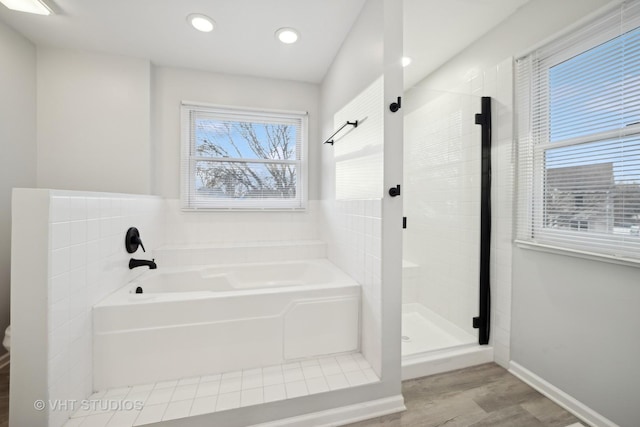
563,399
343,415
445,361
4,360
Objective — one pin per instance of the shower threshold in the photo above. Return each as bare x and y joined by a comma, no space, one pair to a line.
432,344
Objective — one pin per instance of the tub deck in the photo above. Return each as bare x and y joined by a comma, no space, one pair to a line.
229,390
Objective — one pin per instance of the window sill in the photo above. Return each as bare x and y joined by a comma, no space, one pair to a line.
577,254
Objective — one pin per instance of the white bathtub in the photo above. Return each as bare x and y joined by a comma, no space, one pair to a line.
206,320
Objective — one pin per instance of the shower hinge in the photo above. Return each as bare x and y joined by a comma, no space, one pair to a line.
395,106
404,222
476,322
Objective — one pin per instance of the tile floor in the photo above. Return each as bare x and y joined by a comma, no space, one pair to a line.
212,393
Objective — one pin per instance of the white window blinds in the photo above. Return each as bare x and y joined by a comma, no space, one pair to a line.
242,159
578,126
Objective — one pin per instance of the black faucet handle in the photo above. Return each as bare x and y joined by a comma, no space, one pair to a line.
139,242
132,240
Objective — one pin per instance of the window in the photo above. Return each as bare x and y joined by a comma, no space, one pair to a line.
578,125
243,159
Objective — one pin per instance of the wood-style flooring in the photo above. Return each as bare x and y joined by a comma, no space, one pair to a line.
4,396
480,396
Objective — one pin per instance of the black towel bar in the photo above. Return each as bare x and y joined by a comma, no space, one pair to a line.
348,123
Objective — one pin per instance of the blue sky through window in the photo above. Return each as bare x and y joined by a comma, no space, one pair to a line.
232,139
597,91
244,142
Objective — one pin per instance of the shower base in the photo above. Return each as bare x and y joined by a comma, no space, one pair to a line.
432,344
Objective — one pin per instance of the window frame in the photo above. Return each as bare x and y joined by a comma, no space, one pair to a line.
189,160
531,209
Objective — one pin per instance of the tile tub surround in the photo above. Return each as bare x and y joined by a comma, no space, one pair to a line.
174,255
78,237
226,391
353,231
70,256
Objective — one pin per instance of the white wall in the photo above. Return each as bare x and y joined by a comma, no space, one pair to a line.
353,226
356,66
97,114
575,325
372,49
174,85
80,258
575,321
93,122
171,86
211,228
358,150
529,25
17,140
350,81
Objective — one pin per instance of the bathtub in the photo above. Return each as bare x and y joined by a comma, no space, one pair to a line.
196,321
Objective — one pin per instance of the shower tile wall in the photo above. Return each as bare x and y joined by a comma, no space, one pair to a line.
442,164
87,261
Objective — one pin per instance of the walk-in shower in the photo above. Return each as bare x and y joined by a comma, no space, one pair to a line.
444,308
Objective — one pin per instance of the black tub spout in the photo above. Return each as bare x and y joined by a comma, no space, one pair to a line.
133,263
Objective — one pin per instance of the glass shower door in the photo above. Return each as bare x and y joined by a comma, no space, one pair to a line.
441,248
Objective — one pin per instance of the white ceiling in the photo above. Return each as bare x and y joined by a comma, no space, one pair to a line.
243,41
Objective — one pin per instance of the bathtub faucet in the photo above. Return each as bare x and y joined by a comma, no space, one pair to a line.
133,263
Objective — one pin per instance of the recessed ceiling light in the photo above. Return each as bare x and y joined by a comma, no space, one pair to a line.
406,61
200,22
30,6
287,35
